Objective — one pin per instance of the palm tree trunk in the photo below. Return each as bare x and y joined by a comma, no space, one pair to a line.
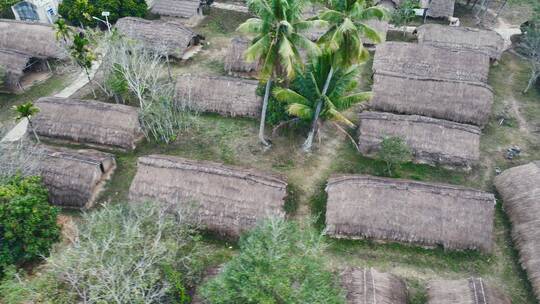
33,131
263,112
532,80
309,140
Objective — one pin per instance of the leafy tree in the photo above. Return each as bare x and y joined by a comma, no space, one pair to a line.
530,46
62,30
307,91
81,11
82,54
276,43
405,14
279,262
27,110
394,152
344,40
28,226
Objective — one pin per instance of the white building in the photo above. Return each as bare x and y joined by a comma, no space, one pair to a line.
44,11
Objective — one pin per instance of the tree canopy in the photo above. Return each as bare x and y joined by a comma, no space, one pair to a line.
81,11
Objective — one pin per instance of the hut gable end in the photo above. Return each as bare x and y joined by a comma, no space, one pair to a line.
227,200
409,211
35,39
468,291
368,286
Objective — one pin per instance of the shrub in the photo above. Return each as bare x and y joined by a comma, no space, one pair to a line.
28,226
279,262
131,254
81,11
394,152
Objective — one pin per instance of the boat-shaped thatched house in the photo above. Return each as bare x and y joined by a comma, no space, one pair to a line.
519,188
169,37
467,291
432,141
361,206
367,286
88,122
436,82
235,59
74,178
176,8
227,200
25,48
485,42
223,95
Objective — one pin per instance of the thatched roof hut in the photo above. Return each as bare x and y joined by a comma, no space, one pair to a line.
176,8
88,122
35,39
361,206
519,188
170,37
227,200
441,8
74,178
224,95
468,291
432,141
235,59
367,286
485,42
12,63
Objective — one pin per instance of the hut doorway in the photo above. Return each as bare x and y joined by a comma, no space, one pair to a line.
36,71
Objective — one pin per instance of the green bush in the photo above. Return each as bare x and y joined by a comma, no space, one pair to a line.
394,152
28,227
279,262
276,111
81,11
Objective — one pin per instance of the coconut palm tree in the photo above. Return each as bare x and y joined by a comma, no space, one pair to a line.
276,43
62,30
27,110
346,19
82,54
306,93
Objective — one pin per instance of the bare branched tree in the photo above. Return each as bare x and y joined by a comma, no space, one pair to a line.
21,157
530,45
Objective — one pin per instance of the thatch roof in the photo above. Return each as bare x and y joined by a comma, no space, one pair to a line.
176,8
235,60
35,39
12,63
432,141
361,206
468,291
441,8
425,62
227,200
368,286
519,188
224,95
88,122
485,42
171,37
74,178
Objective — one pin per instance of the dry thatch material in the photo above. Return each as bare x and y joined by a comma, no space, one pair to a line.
368,286
485,42
361,206
227,200
171,37
74,178
235,60
519,188
469,291
441,8
176,8
224,95
432,141
35,39
12,63
425,62
88,122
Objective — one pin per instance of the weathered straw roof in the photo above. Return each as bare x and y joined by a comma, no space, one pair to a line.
235,59
88,122
426,62
368,286
441,8
74,178
519,188
12,63
486,42
432,141
361,206
227,200
176,8
224,95
170,36
468,291
35,39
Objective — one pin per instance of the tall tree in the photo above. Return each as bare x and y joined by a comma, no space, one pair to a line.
276,43
82,54
27,110
530,45
347,20
62,30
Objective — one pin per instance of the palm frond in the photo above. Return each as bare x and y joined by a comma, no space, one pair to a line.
251,26
346,102
289,96
368,32
301,111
